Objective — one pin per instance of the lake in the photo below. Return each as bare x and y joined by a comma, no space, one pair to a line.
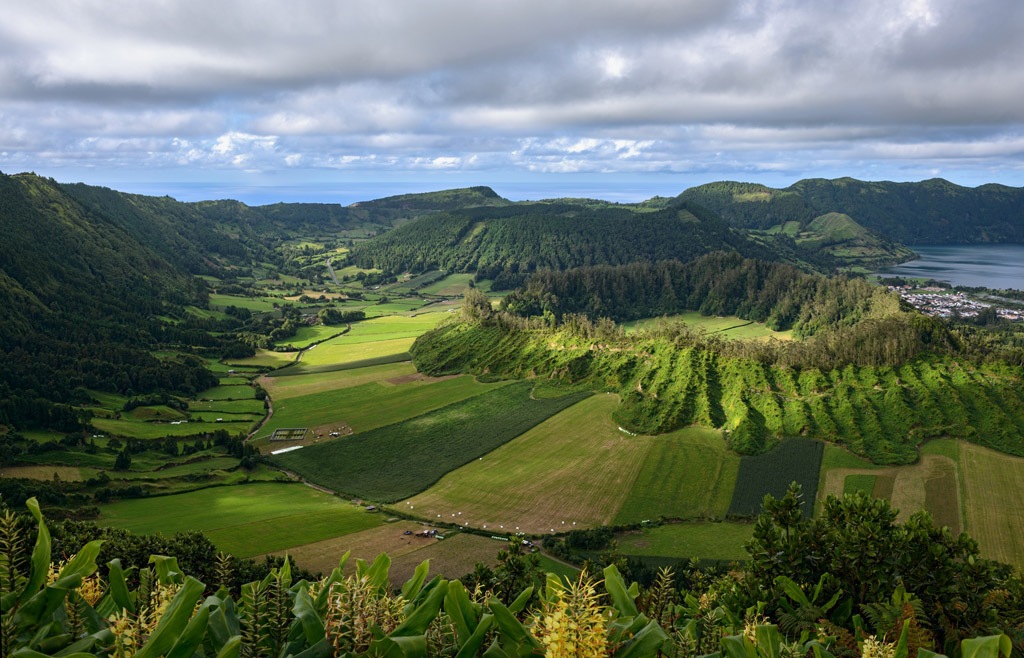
996,266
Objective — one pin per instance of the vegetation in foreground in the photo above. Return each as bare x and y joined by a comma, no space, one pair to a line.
850,584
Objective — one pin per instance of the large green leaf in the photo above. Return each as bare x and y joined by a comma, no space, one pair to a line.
167,570
413,586
986,647
644,644
304,611
39,565
472,644
174,620
192,636
616,587
769,641
231,648
117,587
420,618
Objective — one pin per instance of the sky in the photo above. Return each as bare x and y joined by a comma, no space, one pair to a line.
347,100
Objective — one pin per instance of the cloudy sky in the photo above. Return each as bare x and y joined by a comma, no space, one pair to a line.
343,100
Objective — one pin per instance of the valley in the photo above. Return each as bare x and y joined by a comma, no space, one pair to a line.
440,396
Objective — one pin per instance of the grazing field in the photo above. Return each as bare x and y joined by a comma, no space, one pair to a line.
265,359
371,405
243,392
932,484
143,430
450,286
575,467
42,472
299,369
246,519
394,462
307,335
339,351
793,460
453,557
250,406
256,304
699,539
281,388
725,326
685,474
994,502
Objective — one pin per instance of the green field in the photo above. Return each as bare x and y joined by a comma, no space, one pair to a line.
725,326
250,406
307,335
703,540
793,460
336,351
450,286
370,405
265,359
281,388
402,459
228,393
144,430
994,502
258,304
575,467
243,520
685,474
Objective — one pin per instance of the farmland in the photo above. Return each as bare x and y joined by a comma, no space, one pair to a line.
244,520
702,540
685,474
402,459
994,502
281,388
793,460
724,326
573,468
373,404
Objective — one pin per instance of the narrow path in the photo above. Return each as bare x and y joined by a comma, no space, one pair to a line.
270,412
299,478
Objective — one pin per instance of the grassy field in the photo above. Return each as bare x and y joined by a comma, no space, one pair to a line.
242,392
725,326
281,388
453,557
307,335
244,520
575,467
368,406
251,406
994,502
42,472
402,459
143,430
335,351
265,359
792,460
258,304
685,474
449,286
703,540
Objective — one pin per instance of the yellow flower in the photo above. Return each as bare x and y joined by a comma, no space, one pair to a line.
573,625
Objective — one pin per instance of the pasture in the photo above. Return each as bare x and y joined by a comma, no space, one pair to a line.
699,539
394,462
335,351
450,286
265,359
42,472
573,468
243,520
685,474
994,502
371,405
453,557
725,326
307,335
146,430
281,388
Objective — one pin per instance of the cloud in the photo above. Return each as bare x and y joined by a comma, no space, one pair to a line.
646,86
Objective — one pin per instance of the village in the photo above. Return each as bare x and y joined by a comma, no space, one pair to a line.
935,301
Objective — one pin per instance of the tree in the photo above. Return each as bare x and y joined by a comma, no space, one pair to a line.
123,461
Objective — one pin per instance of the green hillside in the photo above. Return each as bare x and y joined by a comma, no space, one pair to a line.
506,243
928,212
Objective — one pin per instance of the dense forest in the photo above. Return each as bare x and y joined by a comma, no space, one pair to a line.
928,212
507,243
777,294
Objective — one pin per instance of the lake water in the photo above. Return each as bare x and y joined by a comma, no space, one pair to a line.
996,266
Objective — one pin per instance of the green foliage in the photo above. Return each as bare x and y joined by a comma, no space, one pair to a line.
506,243
396,461
929,212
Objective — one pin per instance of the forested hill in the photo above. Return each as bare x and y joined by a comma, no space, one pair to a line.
777,294
81,296
506,243
928,212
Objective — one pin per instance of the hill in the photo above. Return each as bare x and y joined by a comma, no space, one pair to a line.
928,212
506,243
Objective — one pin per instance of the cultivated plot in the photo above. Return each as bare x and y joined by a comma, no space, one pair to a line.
572,470
702,540
994,502
246,519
